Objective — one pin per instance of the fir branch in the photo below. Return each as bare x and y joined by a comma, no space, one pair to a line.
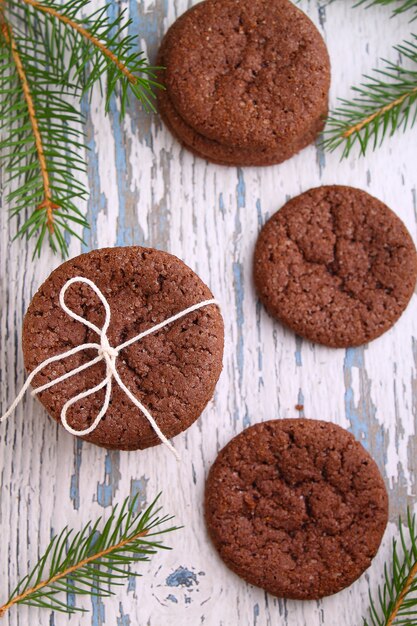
105,47
72,23
49,54
397,598
41,152
47,203
90,563
385,103
399,6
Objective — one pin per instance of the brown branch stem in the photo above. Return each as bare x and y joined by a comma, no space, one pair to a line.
358,127
85,33
47,202
412,575
69,571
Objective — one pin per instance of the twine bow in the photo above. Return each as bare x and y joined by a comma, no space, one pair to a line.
105,352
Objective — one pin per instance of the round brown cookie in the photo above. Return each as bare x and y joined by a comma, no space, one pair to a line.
225,155
172,372
250,74
297,507
336,265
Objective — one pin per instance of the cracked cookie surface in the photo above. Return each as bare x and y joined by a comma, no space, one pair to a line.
220,153
297,507
246,81
336,265
172,372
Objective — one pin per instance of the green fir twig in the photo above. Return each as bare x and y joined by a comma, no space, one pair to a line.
396,604
383,104
398,6
92,562
51,53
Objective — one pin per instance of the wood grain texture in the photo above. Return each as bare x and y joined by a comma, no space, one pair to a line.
146,190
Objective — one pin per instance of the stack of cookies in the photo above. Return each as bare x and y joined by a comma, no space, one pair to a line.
246,81
172,372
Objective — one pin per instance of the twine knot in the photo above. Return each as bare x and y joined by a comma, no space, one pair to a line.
109,353
105,352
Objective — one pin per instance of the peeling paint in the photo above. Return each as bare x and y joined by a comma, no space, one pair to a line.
98,614
182,577
123,619
75,478
359,406
138,487
107,489
172,598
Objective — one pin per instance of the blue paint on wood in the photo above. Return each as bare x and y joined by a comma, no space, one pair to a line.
123,619
182,577
162,219
221,205
172,598
75,478
298,354
354,359
361,412
96,200
322,15
143,26
125,235
71,596
131,585
106,489
138,488
300,402
259,213
98,615
380,448
241,189
149,28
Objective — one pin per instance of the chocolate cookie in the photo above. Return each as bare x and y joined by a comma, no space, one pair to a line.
297,507
336,265
172,372
246,80
219,153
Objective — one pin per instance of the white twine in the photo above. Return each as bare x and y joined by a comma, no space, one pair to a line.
107,353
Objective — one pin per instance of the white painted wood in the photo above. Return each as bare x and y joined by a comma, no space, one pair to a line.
146,190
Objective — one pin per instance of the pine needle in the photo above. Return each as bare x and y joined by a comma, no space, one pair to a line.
397,597
399,6
49,54
92,562
384,103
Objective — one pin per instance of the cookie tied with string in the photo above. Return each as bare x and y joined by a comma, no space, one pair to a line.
107,299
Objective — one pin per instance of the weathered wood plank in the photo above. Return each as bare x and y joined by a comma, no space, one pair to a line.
146,190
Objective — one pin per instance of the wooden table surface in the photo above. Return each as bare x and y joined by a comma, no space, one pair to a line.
146,190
